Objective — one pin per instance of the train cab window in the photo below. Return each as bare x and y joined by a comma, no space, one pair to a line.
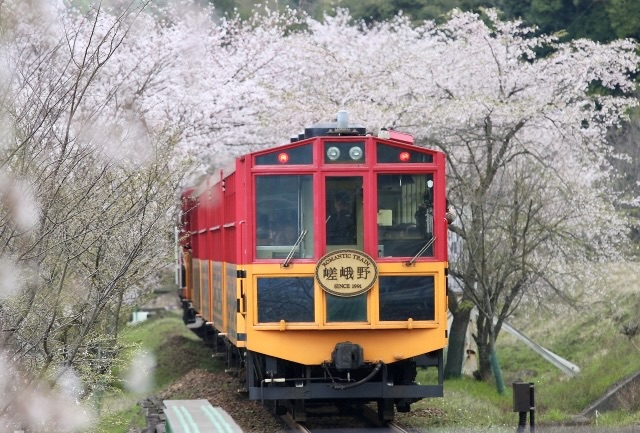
405,215
284,216
290,156
394,155
345,230
344,218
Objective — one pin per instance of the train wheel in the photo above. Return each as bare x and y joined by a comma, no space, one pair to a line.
298,410
385,409
403,405
276,407
345,407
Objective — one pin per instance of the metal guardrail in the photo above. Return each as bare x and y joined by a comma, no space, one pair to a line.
564,365
567,367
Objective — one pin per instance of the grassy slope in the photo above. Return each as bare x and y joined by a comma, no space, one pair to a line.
177,351
589,337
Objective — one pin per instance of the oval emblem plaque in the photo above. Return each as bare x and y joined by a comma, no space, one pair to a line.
346,272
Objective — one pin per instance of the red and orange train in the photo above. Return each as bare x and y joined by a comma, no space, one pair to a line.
322,265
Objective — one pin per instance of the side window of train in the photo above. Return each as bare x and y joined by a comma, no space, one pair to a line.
284,213
344,217
405,214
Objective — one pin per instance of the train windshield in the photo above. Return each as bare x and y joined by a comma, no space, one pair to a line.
284,209
344,218
345,229
405,215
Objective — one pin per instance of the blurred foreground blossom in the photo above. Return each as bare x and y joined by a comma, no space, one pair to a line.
18,199
33,406
8,278
139,377
70,384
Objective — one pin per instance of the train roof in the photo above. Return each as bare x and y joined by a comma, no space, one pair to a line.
339,129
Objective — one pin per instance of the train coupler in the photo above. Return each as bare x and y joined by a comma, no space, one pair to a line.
347,356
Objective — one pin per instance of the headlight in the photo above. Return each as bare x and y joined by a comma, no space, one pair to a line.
333,153
355,153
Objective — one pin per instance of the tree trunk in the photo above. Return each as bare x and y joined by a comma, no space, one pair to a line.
457,335
484,348
116,319
488,360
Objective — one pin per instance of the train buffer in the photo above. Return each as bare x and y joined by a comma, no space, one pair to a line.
197,416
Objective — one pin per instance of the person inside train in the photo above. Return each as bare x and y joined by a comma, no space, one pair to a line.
421,219
263,230
287,234
340,224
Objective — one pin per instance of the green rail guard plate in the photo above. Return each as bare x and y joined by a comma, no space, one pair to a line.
197,416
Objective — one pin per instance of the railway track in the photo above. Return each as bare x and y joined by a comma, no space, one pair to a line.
294,427
395,428
359,427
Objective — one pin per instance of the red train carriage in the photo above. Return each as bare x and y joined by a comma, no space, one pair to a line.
322,265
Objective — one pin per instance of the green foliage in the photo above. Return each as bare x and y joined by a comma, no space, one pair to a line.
467,403
625,17
121,421
418,10
161,336
244,8
619,417
177,351
601,21
514,8
591,21
589,336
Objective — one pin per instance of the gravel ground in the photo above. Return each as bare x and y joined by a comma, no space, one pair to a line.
221,390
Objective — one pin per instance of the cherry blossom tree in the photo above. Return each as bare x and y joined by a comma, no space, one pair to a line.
103,109
86,191
524,133
528,167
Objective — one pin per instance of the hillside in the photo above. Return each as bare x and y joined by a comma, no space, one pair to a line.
595,335
590,336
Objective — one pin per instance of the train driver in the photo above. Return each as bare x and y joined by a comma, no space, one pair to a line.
287,234
340,224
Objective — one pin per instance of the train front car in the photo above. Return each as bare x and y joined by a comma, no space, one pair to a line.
334,268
